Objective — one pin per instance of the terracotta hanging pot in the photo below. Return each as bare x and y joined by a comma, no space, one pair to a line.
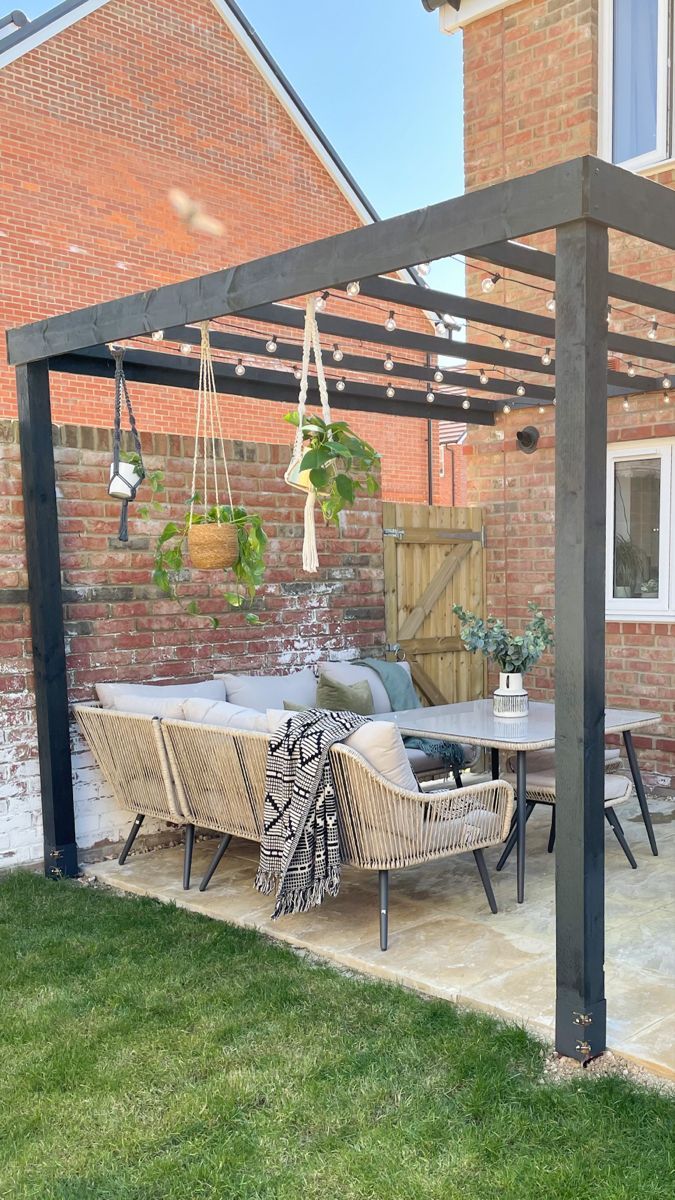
213,547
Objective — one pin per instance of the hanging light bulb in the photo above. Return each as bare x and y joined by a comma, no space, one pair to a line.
506,341
390,323
271,344
337,353
388,363
483,377
423,268
520,390
667,382
541,409
185,348
320,302
438,375
550,303
466,403
666,398
157,335
625,406
341,384
430,397
631,370
353,288
240,369
506,408
390,392
297,371
546,357
652,332
488,284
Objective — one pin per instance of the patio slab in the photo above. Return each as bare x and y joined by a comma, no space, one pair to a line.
445,942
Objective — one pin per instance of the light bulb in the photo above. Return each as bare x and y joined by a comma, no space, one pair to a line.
271,344
625,406
390,323
652,332
157,335
185,348
483,377
337,353
297,371
430,397
631,370
546,357
506,342
240,369
506,408
353,288
667,382
390,392
666,398
520,390
541,409
423,268
438,376
320,302
488,284
550,303
466,403
388,363
341,385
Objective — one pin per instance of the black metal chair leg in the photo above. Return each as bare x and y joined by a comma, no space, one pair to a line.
639,788
513,837
138,821
494,762
483,872
384,909
551,836
187,860
457,776
620,836
222,847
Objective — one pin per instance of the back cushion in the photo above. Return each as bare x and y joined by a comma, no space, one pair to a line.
149,706
264,691
378,742
211,689
347,672
220,712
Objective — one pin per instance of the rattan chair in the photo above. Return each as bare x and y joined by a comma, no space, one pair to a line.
130,753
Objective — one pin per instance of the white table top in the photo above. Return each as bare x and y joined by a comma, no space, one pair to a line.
475,723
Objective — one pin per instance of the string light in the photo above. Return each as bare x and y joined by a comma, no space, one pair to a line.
341,384
667,382
438,376
271,344
338,354
550,303
505,341
506,408
546,357
666,398
320,302
488,284
466,403
653,331
390,392
297,371
631,370
625,406
388,363
430,397
185,348
240,369
483,377
353,288
390,323
541,409
157,335
520,390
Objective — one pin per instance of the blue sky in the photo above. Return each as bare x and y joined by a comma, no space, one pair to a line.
386,87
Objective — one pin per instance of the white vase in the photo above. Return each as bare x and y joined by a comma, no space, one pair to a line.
124,481
510,699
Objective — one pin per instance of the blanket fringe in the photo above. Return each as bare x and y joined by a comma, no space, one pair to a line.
303,899
265,881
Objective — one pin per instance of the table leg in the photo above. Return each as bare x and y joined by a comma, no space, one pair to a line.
494,754
639,788
521,820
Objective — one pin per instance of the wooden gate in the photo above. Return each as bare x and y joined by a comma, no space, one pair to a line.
434,558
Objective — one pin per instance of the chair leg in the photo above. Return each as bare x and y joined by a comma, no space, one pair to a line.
551,836
620,836
513,837
639,788
483,872
138,821
457,776
187,859
222,847
384,909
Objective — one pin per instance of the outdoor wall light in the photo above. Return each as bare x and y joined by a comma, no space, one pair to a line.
527,439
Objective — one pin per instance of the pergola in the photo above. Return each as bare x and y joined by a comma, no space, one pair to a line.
581,200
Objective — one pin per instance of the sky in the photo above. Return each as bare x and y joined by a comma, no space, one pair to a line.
384,85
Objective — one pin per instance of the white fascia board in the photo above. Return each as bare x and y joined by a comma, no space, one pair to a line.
32,40
471,10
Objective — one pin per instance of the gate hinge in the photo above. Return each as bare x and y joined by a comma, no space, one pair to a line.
395,533
392,648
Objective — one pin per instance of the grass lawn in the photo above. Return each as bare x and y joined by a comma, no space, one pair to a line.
151,1053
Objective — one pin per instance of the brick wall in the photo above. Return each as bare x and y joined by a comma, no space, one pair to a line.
119,627
531,99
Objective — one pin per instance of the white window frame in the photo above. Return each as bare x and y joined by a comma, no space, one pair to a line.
663,607
665,106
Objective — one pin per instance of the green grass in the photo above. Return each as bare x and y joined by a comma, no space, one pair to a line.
150,1053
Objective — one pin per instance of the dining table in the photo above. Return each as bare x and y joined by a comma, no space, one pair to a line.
474,723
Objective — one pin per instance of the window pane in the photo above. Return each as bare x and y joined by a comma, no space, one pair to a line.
637,503
636,26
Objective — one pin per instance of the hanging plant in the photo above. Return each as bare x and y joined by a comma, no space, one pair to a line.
338,463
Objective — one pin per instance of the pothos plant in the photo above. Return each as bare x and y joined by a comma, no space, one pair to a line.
513,653
248,569
339,462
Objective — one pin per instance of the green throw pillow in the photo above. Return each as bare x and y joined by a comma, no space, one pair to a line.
344,697
290,706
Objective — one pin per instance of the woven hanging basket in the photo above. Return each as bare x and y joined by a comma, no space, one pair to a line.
212,546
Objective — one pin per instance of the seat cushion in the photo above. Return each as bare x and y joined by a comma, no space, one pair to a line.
220,712
270,691
422,763
544,760
344,697
354,672
149,706
211,689
378,742
617,787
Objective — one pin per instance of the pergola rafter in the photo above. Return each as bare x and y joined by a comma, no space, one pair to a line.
582,200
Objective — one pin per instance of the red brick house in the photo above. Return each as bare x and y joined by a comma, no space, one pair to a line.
544,81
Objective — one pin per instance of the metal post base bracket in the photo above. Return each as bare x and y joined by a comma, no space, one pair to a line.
581,1034
61,862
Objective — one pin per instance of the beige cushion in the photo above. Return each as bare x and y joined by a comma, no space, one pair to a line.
544,760
270,691
617,787
220,712
347,672
149,706
378,742
213,689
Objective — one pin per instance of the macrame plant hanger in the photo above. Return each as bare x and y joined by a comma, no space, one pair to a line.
125,478
212,543
294,476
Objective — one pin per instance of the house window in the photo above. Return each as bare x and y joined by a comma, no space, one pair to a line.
636,101
640,512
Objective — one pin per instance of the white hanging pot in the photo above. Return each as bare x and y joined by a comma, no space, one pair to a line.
124,481
510,699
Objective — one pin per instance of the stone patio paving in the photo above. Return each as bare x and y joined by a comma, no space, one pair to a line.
444,941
